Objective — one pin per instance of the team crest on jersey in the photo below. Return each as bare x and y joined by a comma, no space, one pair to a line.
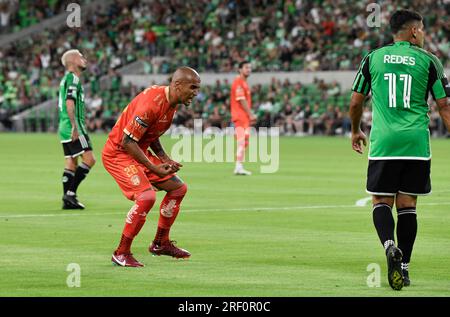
135,180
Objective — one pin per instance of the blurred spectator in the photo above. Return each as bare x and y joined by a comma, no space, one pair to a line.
150,38
329,119
6,9
316,125
94,112
288,116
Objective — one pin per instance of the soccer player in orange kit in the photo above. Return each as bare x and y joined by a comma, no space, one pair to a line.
138,172
241,115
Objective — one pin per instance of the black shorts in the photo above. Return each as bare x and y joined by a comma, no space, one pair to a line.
77,147
389,177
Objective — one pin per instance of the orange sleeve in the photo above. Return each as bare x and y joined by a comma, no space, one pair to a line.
239,90
240,93
139,121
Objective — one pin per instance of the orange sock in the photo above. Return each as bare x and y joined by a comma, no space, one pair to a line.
135,220
124,245
170,206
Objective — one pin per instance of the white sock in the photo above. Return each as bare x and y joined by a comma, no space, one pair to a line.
388,243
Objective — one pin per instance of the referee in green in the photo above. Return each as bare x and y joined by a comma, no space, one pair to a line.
400,76
72,128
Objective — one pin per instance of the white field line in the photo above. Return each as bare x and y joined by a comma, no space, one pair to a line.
363,202
124,212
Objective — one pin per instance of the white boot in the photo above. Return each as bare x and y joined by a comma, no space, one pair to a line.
239,170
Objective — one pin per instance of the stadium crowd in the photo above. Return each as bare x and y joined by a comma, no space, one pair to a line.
297,108
19,14
211,36
319,108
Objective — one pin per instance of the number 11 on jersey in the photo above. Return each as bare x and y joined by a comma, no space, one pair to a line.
392,81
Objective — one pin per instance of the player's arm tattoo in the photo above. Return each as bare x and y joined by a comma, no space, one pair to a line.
158,149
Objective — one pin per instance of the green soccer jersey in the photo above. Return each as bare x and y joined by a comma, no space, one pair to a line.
400,76
71,88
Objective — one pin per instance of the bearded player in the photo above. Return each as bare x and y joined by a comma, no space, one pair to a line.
72,128
241,114
138,172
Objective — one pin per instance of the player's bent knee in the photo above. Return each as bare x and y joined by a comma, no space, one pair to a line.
90,159
146,199
180,191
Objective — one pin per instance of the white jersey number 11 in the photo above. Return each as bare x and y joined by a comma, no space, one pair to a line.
392,81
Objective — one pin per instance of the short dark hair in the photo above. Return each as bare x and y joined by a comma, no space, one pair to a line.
402,17
241,64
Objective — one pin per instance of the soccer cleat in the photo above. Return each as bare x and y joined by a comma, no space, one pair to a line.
406,280
71,202
68,206
241,171
168,248
125,259
395,276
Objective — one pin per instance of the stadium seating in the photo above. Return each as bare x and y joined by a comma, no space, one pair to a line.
209,36
18,15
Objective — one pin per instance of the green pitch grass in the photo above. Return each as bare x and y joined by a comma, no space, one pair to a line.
293,233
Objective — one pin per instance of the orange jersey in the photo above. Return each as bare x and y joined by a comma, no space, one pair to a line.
144,120
240,91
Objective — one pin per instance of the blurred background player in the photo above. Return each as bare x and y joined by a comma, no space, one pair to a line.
138,172
241,114
72,128
401,76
